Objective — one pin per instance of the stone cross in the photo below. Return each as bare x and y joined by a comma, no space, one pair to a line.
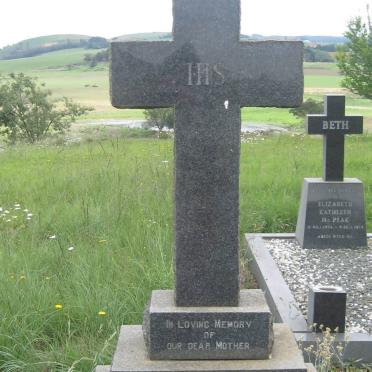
207,74
334,125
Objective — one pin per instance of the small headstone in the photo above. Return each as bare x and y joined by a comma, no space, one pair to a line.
327,307
331,211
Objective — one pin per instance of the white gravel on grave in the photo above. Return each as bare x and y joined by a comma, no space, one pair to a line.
350,269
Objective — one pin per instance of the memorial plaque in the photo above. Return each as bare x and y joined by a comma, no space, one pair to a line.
332,214
177,333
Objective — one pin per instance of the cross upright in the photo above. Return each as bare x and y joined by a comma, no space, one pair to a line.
207,74
334,125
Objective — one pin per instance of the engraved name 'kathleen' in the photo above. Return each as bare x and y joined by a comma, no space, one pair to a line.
218,323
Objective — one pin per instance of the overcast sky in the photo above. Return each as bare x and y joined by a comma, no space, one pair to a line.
23,19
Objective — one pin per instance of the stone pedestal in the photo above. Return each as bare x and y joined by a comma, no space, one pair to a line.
332,214
197,333
131,356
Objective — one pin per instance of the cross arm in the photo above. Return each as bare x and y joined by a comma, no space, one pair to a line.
270,73
322,124
141,75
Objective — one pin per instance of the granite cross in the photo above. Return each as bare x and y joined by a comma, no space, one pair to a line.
207,74
334,125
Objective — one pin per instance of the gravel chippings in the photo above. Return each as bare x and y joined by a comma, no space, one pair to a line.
350,269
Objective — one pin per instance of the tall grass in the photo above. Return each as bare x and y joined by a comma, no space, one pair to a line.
93,234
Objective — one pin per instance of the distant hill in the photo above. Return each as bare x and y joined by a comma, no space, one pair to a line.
159,36
46,44
151,36
51,43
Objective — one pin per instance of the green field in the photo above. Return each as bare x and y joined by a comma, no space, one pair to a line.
86,228
98,237
64,73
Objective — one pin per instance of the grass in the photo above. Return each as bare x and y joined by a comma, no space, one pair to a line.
112,202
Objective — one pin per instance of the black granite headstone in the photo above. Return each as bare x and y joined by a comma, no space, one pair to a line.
207,74
331,211
334,125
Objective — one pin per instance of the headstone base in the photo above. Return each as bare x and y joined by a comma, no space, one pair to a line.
131,356
332,214
195,333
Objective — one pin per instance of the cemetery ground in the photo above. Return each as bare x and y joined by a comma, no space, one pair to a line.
86,227
86,232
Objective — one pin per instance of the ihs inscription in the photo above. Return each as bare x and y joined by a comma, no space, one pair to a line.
205,74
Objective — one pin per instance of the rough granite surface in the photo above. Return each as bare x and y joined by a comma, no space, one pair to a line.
207,74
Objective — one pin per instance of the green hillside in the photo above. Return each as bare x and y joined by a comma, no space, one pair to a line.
48,61
150,36
66,74
44,44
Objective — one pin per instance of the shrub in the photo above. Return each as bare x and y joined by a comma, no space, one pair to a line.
310,106
160,118
27,112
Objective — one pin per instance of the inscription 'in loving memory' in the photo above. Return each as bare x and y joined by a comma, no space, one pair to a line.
205,74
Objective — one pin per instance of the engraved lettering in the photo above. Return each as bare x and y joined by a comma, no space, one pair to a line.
196,346
174,346
205,74
203,69
190,73
209,335
193,324
220,77
232,345
335,124
232,324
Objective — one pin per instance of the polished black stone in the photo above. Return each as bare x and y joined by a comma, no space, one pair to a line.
332,214
207,74
327,307
334,125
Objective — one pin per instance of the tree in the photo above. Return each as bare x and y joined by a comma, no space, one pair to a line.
355,58
27,112
160,118
310,106
97,42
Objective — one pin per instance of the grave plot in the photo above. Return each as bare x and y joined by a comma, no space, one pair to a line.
322,274
286,272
